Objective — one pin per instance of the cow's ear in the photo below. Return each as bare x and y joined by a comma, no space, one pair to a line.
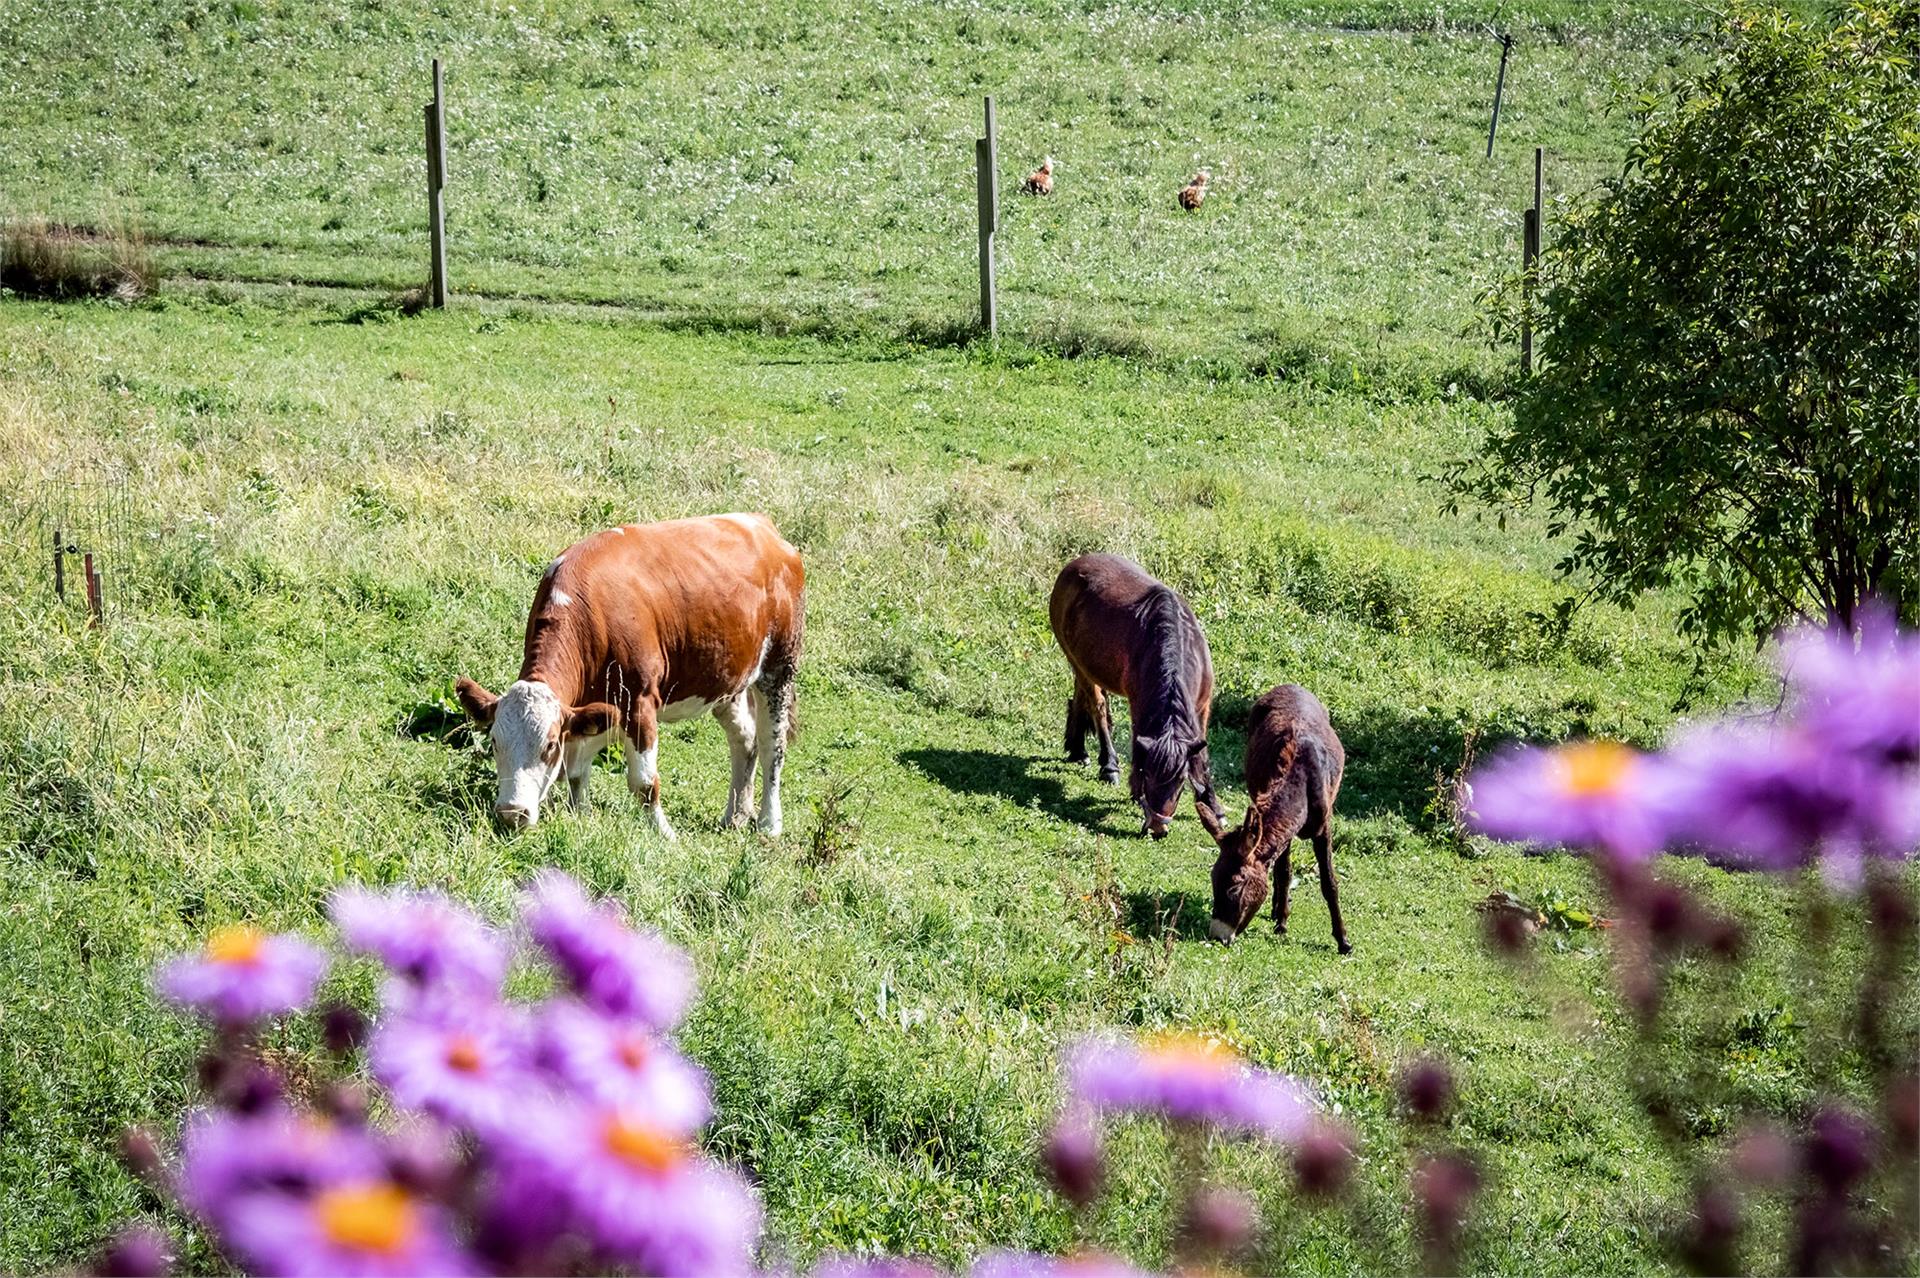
476,700
592,720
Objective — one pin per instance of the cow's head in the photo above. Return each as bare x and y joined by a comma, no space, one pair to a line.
530,730
1240,880
1160,767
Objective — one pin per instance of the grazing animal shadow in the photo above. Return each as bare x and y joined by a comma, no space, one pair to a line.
1029,781
1150,914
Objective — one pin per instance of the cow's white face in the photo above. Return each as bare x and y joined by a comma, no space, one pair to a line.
528,723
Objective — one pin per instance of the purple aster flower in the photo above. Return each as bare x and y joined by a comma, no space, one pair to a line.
350,1229
139,1251
522,1219
423,938
245,974
1027,1264
1777,798
613,967
1859,698
467,1062
1074,1158
225,1158
641,1194
1189,1079
1593,795
622,1063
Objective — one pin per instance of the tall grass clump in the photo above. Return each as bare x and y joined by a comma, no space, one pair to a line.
39,258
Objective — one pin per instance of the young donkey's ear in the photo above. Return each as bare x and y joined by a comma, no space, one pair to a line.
592,720
476,700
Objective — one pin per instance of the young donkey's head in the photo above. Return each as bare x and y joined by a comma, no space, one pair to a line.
1159,768
530,730
1240,879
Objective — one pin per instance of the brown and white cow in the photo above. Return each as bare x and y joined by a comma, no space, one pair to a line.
648,624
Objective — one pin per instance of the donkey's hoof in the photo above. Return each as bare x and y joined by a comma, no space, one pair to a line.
1076,756
1110,775
1345,949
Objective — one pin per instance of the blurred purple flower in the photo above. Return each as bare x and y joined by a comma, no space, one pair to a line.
139,1251
522,1220
1074,1160
1593,795
1218,1222
611,966
245,974
1838,1150
467,1062
1427,1088
1858,698
1323,1160
1777,798
1027,1264
621,1063
225,1159
1189,1079
423,938
642,1196
352,1229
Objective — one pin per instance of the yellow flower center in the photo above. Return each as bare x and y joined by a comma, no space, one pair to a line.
646,1148
463,1054
632,1051
1182,1049
378,1217
236,943
1593,767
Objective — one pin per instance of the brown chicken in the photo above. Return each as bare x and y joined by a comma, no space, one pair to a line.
1195,191
1040,181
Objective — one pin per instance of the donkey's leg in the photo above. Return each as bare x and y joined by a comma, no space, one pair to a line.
1283,888
1103,724
643,764
1078,718
773,713
1323,861
736,716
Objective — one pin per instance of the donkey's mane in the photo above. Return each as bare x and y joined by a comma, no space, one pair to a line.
1167,717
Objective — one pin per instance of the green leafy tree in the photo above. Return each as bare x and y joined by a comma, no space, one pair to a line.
1729,330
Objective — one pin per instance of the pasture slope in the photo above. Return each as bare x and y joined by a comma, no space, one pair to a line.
335,511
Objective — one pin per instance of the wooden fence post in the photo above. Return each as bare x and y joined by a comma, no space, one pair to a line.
96,610
59,565
1506,47
1530,265
987,190
437,179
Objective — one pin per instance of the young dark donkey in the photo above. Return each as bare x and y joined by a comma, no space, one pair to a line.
1293,773
1125,633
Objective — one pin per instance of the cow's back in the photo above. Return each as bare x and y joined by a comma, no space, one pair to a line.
697,605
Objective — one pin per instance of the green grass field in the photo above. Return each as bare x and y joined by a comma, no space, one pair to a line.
333,512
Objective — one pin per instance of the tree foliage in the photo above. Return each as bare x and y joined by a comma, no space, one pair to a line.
1730,347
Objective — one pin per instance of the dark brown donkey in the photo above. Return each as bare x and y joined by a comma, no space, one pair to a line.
1293,773
1125,633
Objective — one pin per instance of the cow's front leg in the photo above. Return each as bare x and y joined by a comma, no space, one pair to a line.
643,764
736,716
773,714
580,757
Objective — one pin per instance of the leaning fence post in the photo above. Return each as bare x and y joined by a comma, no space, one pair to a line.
1506,47
987,189
60,565
437,179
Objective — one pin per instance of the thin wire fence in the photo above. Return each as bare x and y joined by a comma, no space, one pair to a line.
72,538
